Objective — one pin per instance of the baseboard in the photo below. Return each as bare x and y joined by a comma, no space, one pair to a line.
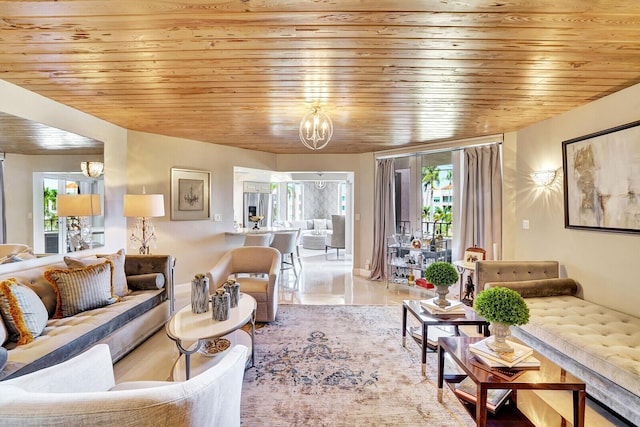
361,272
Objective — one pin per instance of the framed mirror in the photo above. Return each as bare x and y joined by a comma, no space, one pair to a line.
38,162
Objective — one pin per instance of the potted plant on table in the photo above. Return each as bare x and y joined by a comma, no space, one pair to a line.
503,307
442,275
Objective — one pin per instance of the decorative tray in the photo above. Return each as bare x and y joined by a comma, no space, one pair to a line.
215,347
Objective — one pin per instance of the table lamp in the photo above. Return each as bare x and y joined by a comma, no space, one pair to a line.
78,208
143,207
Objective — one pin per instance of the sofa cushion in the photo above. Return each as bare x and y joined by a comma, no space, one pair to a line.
65,337
119,277
602,339
148,281
22,310
540,287
81,289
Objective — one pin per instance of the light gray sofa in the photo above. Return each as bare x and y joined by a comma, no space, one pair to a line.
309,226
599,345
122,325
82,392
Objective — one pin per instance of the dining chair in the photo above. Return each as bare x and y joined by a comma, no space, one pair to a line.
337,239
287,243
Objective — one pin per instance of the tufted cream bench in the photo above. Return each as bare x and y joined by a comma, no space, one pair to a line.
597,344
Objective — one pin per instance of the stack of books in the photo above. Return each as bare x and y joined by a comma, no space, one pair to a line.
520,358
467,390
431,307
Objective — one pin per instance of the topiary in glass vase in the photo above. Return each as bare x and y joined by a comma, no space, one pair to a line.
442,275
503,307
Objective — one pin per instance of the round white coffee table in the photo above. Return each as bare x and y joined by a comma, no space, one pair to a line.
190,331
314,241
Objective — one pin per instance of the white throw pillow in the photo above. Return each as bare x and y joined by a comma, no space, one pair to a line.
319,224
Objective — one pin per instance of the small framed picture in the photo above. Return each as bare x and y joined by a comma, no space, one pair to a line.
471,255
190,195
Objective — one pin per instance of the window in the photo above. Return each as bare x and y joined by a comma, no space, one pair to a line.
294,201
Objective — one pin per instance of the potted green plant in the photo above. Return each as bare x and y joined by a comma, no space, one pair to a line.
503,307
442,275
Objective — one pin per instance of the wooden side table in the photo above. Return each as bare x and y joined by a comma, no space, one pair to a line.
548,377
426,319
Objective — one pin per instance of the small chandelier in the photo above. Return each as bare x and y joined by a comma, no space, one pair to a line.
316,129
92,169
320,183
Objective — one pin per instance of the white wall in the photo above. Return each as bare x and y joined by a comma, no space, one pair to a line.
196,245
602,262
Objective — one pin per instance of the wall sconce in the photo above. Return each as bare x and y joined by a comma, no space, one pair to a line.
78,208
92,169
143,207
543,178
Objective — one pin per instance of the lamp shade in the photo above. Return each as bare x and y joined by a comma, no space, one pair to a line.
78,205
143,205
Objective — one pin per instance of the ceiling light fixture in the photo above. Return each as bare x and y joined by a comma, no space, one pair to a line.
543,178
92,169
316,129
320,183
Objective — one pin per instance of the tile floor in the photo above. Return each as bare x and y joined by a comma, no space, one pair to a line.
322,279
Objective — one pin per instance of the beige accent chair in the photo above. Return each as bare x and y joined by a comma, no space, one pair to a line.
287,243
82,392
337,239
257,270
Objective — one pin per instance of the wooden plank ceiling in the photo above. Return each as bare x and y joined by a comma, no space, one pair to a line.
390,73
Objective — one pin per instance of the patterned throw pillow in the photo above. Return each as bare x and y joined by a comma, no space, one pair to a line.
119,277
81,289
23,311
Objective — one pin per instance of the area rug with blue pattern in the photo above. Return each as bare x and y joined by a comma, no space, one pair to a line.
342,366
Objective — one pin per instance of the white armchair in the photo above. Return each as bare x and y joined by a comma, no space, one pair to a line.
82,392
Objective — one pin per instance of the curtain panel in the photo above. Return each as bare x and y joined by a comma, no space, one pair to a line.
384,221
481,222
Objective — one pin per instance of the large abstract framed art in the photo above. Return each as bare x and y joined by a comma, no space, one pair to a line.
602,180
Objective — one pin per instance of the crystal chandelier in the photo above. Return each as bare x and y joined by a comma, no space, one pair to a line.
92,169
316,129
